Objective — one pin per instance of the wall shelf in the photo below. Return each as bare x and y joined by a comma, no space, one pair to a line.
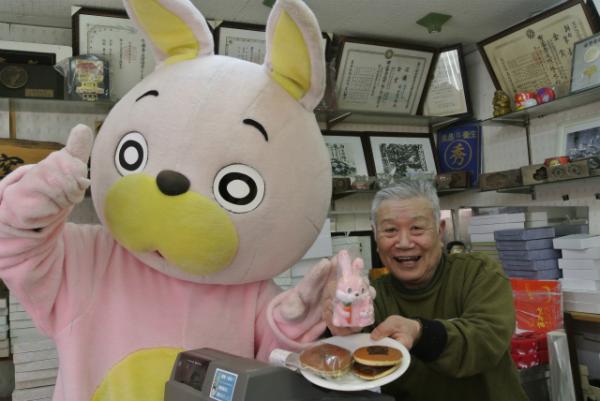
55,106
522,117
333,117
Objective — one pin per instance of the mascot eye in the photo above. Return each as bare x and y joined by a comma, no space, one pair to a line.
349,290
132,154
239,188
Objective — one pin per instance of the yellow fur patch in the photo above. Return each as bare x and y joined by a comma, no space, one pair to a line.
166,30
140,376
290,58
189,230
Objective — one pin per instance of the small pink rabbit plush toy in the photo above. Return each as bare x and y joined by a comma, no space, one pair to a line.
353,302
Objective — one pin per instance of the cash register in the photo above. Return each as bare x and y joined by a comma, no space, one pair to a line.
206,374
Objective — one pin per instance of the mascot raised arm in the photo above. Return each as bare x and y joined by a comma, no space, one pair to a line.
209,177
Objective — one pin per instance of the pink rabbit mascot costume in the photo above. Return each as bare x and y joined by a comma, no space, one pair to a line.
210,177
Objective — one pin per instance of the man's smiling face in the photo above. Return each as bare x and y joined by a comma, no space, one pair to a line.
408,241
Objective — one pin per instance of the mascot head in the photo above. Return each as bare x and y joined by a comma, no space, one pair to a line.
213,169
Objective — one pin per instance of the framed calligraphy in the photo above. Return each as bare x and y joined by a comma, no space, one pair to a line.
459,149
112,36
382,77
538,52
401,155
448,93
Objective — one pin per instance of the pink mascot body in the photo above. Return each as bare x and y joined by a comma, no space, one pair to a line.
210,177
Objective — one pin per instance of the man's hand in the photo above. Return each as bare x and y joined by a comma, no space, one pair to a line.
406,331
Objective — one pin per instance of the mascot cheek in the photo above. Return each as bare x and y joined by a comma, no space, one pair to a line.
189,230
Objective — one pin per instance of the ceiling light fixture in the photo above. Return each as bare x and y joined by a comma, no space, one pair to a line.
434,21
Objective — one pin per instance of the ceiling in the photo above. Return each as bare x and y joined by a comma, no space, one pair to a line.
395,20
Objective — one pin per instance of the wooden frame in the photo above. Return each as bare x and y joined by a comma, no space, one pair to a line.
348,154
15,153
448,92
586,64
100,32
538,52
403,154
393,77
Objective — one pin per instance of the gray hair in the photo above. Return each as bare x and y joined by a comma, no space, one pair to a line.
407,189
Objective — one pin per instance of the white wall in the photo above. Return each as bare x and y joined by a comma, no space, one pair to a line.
504,147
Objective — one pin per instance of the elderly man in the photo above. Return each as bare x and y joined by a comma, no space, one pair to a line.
454,312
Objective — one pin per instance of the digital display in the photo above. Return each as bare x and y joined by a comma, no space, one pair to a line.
192,372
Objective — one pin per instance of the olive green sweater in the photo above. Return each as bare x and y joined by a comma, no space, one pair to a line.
464,350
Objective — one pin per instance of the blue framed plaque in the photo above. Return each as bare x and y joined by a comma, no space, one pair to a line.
459,149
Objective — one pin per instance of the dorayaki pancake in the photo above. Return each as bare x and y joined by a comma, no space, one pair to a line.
377,355
326,360
372,372
375,361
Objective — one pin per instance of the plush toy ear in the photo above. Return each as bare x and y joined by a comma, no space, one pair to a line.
295,57
175,28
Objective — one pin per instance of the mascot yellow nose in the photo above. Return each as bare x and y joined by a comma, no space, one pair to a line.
162,215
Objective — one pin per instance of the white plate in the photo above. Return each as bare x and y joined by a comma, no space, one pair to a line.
349,382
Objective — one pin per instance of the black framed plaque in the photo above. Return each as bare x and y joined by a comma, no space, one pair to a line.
382,77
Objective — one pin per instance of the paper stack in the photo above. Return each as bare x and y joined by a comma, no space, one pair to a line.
580,265
482,228
34,356
528,253
536,219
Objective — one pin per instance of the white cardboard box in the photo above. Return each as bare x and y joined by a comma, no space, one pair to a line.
497,218
577,241
589,253
578,263
581,274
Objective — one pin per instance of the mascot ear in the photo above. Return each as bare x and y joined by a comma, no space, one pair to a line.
295,56
175,28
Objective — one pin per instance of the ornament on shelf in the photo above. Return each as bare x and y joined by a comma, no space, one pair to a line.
501,103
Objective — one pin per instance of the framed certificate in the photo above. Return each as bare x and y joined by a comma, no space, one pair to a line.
586,64
244,41
112,36
538,52
448,94
382,77
403,154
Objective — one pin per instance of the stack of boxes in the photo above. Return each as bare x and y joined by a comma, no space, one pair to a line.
580,265
482,228
528,253
34,356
